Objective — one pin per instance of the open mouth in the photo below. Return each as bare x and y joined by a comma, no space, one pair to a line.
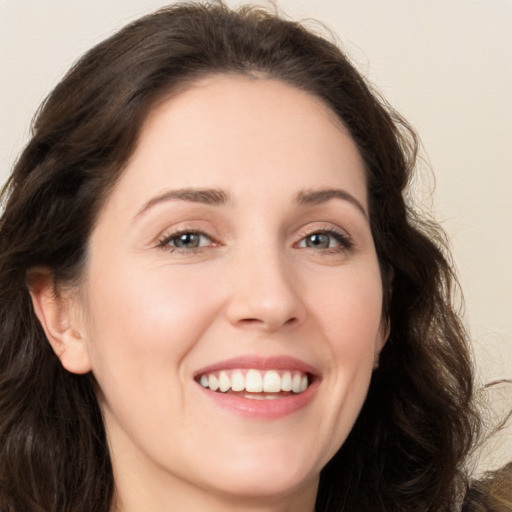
256,384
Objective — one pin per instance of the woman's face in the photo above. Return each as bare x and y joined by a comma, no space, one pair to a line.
236,252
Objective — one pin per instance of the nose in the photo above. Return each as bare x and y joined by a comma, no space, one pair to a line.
264,293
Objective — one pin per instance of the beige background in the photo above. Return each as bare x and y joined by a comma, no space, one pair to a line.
446,65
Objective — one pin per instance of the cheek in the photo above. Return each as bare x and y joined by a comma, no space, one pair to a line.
142,319
346,306
349,308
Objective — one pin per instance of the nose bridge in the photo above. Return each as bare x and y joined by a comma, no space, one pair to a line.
264,290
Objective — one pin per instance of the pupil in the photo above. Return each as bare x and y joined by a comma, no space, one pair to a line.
188,240
318,240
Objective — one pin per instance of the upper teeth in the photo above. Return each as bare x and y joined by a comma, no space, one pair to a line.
255,381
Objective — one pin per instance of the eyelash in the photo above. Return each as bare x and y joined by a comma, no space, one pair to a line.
344,241
164,242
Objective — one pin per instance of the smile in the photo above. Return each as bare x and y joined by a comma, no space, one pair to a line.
256,384
262,388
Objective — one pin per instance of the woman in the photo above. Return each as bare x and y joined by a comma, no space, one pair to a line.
213,294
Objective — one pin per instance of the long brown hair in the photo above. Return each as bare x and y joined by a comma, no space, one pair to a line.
407,449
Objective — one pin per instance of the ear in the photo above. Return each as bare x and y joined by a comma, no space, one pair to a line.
57,311
385,329
382,338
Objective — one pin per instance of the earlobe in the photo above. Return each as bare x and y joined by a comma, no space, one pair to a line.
382,339
385,331
56,311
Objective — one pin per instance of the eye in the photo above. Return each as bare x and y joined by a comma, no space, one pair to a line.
186,240
327,239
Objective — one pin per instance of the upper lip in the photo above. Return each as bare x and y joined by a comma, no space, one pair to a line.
259,363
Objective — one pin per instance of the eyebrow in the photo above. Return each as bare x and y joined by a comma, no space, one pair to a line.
326,194
219,197
210,196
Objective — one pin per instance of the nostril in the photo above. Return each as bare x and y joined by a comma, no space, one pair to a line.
269,323
251,321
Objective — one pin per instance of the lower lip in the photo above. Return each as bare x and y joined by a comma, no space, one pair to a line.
264,409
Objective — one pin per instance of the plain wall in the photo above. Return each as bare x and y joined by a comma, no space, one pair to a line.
445,65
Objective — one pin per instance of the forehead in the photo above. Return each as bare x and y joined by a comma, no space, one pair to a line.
242,131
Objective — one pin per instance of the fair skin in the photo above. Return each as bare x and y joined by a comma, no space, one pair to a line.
237,241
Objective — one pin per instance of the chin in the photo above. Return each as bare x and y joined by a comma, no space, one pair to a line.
266,485
268,476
